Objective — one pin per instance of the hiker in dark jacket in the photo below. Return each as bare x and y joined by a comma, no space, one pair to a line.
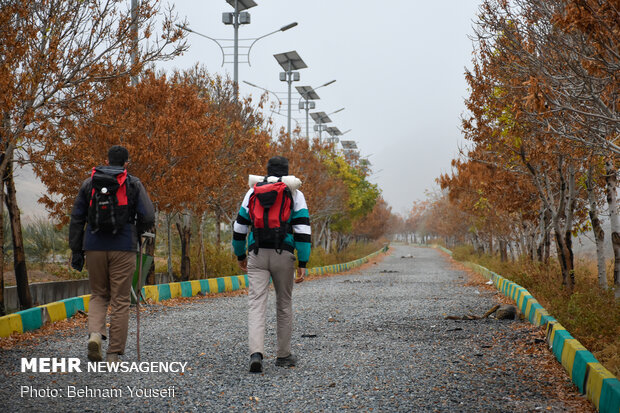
109,250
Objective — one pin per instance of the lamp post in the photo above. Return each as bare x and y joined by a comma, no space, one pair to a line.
321,118
334,134
266,90
275,94
336,111
308,93
290,61
236,19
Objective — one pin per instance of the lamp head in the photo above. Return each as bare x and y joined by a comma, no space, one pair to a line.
288,26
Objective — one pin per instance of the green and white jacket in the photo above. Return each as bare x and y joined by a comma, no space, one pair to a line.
300,222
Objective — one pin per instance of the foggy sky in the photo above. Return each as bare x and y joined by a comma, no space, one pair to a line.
398,67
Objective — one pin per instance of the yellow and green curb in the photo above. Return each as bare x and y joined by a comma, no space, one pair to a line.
592,379
36,317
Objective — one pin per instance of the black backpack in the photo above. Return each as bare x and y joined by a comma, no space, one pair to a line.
109,208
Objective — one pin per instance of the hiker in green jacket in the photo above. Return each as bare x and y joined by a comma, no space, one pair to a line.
277,220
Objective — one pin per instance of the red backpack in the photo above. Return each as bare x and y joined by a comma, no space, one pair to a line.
270,208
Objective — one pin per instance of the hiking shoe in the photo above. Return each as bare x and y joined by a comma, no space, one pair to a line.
94,347
288,361
112,358
256,363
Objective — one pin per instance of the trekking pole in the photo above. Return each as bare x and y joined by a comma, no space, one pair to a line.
139,288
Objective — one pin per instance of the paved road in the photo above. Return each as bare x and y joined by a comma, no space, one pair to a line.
378,342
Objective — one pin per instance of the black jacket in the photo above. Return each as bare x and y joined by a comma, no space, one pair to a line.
82,239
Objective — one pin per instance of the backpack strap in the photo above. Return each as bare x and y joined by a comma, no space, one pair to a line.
254,229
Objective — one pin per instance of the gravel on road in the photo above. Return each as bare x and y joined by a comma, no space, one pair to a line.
374,340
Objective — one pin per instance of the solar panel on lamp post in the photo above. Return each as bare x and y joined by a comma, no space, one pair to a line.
349,145
320,118
334,134
289,61
350,149
308,93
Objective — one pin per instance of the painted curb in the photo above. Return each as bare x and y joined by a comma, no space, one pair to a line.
592,379
36,317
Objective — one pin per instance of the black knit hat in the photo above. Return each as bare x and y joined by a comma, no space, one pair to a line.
277,166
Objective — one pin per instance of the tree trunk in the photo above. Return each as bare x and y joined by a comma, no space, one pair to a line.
531,245
597,228
2,307
169,242
19,255
149,249
202,244
328,238
547,236
540,250
512,252
503,251
563,258
185,234
218,232
318,241
614,218
563,233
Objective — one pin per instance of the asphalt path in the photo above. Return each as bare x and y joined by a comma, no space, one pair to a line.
372,340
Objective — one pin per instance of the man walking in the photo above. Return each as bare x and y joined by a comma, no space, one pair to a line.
280,225
111,211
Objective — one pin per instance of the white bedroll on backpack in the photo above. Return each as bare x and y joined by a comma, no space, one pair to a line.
292,182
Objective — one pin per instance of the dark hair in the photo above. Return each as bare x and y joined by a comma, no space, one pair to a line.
277,166
118,155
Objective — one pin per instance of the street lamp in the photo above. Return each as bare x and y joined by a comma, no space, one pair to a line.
266,90
237,18
290,61
336,111
308,93
334,134
320,118
349,148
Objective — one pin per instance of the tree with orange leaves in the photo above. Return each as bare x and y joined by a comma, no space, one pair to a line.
542,106
378,223
166,126
56,56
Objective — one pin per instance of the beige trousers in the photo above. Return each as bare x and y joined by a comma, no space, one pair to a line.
110,274
280,267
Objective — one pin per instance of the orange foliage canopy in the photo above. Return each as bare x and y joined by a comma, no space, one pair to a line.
163,124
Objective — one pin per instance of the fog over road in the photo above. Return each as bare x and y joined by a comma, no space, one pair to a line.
375,340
